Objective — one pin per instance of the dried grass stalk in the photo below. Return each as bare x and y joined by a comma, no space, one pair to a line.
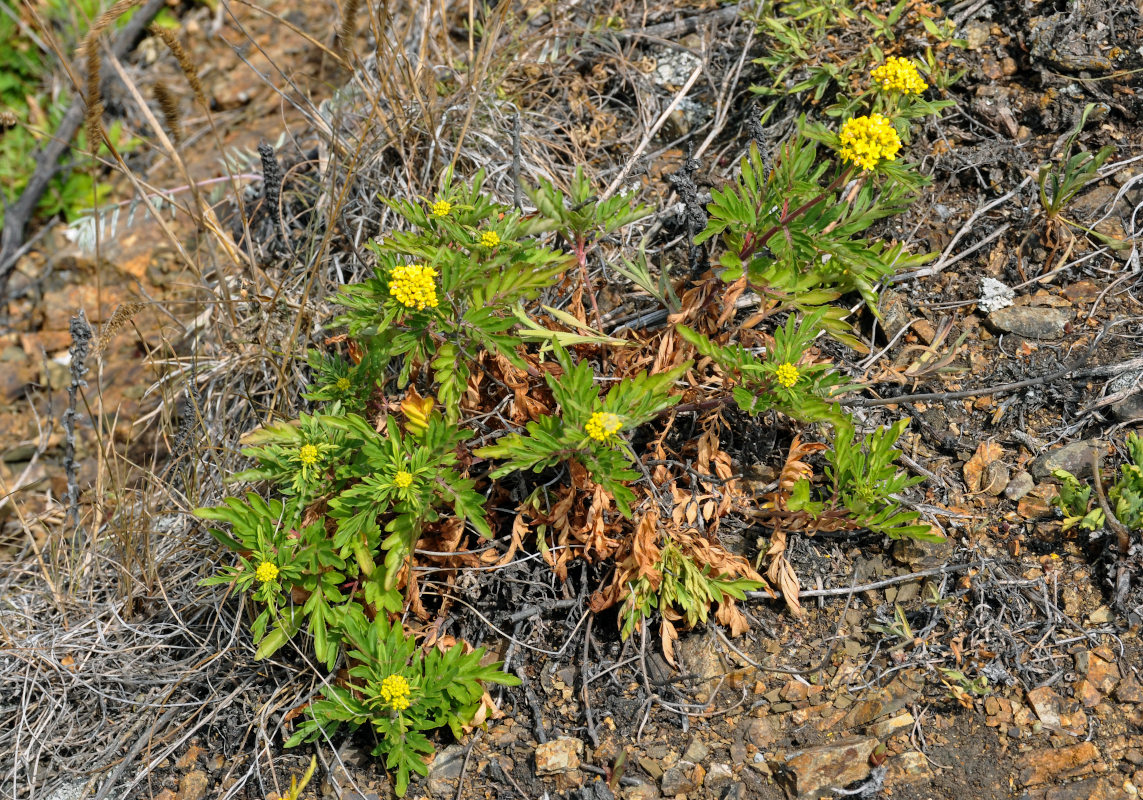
123,314
184,59
170,107
93,115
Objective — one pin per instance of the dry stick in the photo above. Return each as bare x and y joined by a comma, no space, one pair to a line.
649,135
944,260
20,213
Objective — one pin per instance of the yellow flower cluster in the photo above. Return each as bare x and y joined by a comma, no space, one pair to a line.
413,286
787,375
308,455
440,208
602,426
490,239
402,480
899,74
395,692
866,141
266,572
343,384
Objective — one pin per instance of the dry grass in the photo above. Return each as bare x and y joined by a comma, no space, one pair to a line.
113,657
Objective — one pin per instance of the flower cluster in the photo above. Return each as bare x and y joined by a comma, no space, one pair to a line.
266,572
899,74
308,455
440,208
343,384
413,286
489,239
866,141
602,426
402,480
787,375
395,692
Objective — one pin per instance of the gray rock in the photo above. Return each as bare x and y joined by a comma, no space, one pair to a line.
1129,409
994,295
1031,322
679,779
1020,484
696,751
718,777
445,769
1074,457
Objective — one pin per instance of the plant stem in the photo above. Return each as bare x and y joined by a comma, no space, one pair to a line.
752,245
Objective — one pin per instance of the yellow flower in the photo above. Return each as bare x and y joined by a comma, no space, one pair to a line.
440,208
490,239
403,480
787,375
866,141
343,384
413,286
266,572
602,426
395,692
899,74
308,455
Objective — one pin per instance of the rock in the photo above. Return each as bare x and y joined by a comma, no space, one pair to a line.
643,791
696,751
1031,322
886,728
1103,675
698,655
1101,616
445,769
683,777
1019,485
1129,409
994,295
193,785
889,700
1129,691
909,767
651,766
718,778
1058,764
1074,458
975,34
558,755
815,771
1090,789
918,555
794,691
1087,694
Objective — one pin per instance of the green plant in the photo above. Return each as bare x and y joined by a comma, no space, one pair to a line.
401,692
1124,495
24,72
785,380
587,427
1060,183
442,293
797,241
815,49
863,478
679,588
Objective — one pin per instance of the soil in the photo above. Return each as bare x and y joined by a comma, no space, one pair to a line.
1004,663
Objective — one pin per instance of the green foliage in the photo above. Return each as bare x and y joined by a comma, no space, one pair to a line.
1059,183
791,236
679,587
479,287
552,439
817,49
24,73
580,215
758,389
441,689
864,477
1124,495
1074,500
379,491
